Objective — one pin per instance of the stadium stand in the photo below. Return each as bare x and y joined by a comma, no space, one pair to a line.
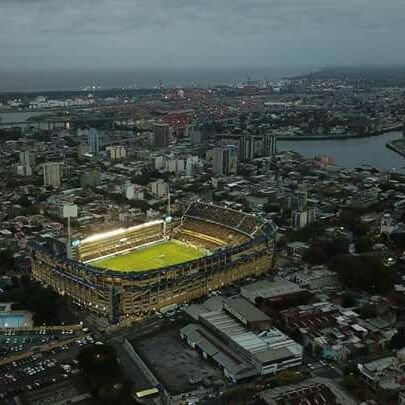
231,218
91,249
209,235
239,246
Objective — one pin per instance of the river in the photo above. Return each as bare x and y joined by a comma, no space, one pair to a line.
18,116
352,152
344,152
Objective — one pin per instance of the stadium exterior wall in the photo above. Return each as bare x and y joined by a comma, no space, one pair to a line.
117,296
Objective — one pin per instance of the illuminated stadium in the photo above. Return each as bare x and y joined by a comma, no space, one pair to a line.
132,272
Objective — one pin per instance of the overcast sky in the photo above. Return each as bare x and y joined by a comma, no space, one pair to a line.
200,33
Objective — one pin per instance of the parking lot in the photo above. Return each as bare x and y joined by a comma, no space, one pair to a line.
14,341
42,368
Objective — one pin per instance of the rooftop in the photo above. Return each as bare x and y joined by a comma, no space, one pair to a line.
269,289
245,309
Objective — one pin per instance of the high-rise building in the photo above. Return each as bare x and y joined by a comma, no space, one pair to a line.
246,147
134,192
23,170
302,198
82,149
192,165
387,224
159,188
176,165
27,159
52,172
27,164
116,152
301,218
161,134
269,144
93,140
195,136
224,160
159,162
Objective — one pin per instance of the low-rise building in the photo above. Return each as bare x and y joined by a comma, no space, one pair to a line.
269,289
316,391
224,336
317,277
384,374
247,313
334,333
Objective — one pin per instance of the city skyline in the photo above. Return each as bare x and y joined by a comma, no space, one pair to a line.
202,202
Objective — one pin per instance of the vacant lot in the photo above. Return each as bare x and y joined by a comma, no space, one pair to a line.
173,362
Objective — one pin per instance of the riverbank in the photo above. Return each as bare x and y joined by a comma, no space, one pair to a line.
397,146
340,137
352,153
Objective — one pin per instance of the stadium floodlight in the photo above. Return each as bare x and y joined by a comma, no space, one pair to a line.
117,232
69,211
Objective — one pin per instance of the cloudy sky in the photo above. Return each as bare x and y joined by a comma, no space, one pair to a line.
37,34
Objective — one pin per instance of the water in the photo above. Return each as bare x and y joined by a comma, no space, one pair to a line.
344,152
12,321
352,152
78,79
17,116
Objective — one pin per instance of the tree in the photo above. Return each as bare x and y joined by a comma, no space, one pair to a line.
100,366
44,303
15,281
351,219
7,263
398,340
335,247
348,300
307,233
25,281
364,272
98,360
363,244
315,255
323,250
271,206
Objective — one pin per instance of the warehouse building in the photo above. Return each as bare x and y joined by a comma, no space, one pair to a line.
247,313
269,289
226,337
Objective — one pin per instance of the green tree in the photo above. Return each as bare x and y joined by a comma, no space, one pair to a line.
364,272
398,340
315,255
348,300
363,244
100,367
7,263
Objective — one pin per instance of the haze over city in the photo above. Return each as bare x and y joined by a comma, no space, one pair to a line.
202,202
45,34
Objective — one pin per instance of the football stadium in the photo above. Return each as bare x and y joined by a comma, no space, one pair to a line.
135,271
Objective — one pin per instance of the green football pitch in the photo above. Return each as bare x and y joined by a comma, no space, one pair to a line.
151,257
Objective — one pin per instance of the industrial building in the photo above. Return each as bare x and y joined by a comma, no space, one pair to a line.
269,289
226,336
